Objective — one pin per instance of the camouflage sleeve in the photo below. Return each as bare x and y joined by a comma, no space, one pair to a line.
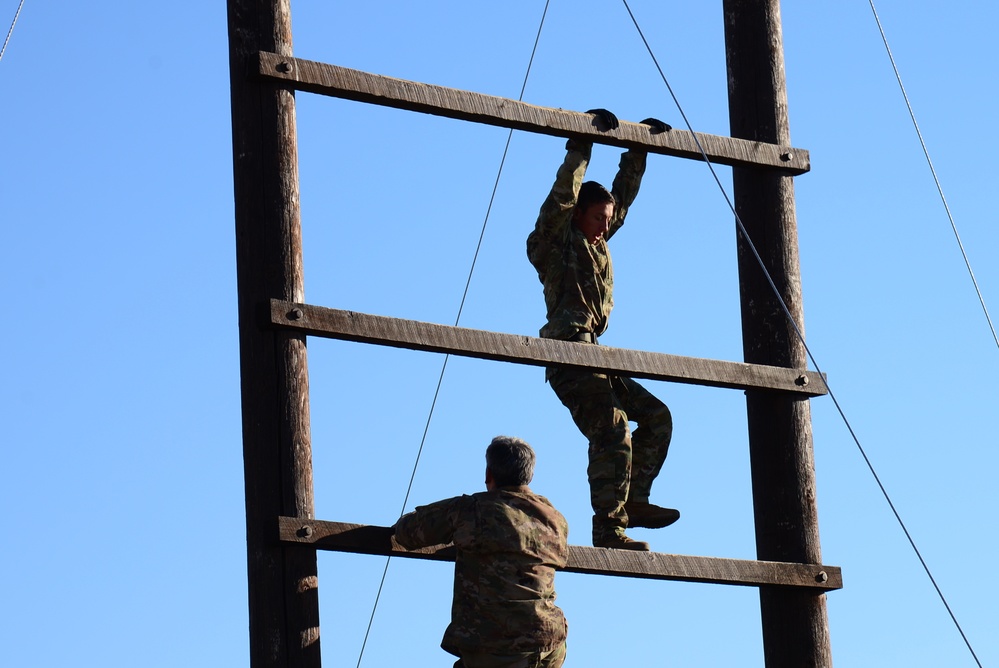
626,184
557,208
433,524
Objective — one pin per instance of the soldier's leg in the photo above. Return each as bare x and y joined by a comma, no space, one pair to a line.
651,438
596,412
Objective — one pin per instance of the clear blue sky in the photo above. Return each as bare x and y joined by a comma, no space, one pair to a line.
123,530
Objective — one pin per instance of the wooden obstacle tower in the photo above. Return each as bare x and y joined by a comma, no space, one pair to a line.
283,535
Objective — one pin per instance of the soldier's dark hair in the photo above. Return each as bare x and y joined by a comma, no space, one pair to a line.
592,192
511,461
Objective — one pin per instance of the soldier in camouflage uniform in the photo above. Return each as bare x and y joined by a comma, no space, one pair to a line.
568,247
509,542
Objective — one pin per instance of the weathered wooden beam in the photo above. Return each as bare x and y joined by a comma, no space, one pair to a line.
366,539
349,84
416,335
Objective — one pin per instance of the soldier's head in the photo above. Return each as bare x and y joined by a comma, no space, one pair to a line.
509,462
594,210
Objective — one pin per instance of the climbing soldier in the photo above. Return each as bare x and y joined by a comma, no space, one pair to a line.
568,247
509,542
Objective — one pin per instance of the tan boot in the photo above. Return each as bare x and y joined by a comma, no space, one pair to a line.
621,542
649,516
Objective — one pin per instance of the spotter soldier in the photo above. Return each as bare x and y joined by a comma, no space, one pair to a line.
508,541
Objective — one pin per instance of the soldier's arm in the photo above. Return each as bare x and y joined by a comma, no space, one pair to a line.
428,525
557,208
626,185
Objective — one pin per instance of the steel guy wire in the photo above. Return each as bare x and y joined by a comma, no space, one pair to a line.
933,171
11,31
967,262
457,319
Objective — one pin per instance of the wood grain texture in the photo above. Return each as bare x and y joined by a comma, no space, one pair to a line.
416,335
795,623
283,591
366,539
341,82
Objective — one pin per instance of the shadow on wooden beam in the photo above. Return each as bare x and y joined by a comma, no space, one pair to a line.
341,82
366,539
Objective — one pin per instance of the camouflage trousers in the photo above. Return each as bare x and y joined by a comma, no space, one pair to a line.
622,464
553,658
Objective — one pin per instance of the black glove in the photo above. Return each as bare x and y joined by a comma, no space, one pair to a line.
657,126
606,120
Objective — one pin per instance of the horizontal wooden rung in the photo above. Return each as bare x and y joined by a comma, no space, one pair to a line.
416,335
366,539
341,82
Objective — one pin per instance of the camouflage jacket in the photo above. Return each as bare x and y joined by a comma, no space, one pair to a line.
509,543
578,276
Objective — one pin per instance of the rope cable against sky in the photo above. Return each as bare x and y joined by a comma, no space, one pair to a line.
461,306
745,235
11,31
933,171
964,254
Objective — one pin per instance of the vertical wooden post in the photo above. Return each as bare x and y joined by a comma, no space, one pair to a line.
795,623
277,448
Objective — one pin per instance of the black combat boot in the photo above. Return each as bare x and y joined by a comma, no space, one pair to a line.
649,516
620,542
